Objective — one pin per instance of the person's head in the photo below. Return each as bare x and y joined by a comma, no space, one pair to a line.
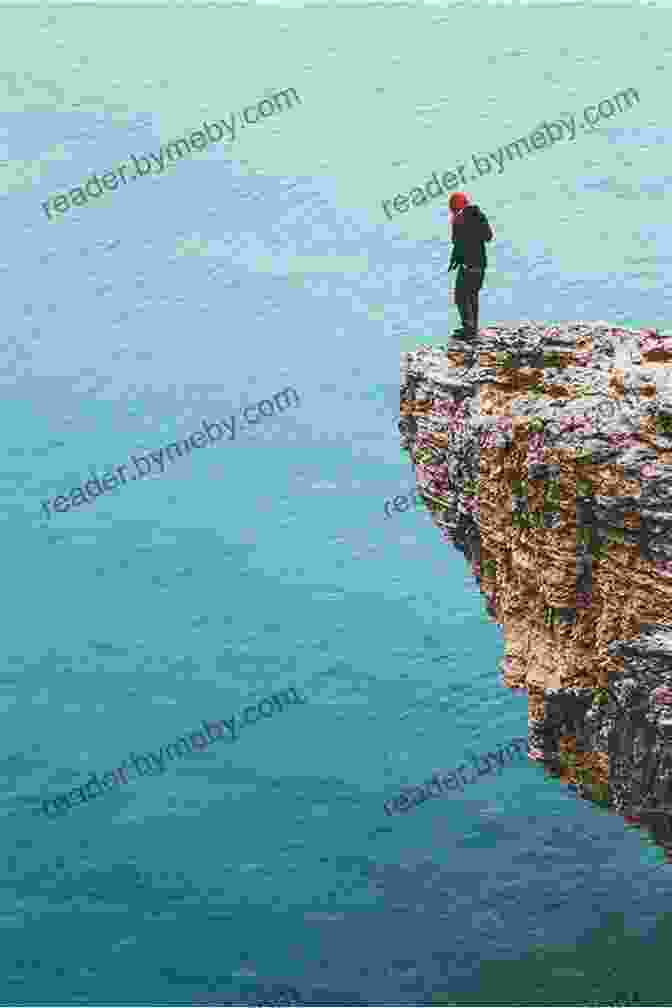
458,201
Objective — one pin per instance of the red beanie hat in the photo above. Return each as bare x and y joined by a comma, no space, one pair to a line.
458,201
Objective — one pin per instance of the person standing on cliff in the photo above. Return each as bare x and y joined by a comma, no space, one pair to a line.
470,231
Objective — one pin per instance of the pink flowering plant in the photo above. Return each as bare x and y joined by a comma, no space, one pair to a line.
469,506
424,442
535,448
576,423
423,476
662,696
441,479
653,343
501,434
580,424
622,440
454,414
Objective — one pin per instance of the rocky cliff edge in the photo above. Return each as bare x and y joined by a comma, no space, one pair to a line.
545,456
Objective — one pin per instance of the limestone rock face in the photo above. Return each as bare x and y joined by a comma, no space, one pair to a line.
545,456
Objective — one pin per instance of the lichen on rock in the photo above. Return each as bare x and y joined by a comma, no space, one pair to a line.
545,456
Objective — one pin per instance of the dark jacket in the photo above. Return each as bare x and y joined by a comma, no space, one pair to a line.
470,232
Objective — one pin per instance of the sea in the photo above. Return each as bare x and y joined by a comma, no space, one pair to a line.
265,870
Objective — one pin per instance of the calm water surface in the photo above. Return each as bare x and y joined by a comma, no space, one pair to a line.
267,560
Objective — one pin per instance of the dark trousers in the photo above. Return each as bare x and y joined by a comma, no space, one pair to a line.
467,285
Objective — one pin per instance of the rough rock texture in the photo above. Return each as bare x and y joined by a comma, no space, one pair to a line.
545,456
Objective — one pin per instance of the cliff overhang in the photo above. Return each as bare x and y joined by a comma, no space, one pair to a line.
545,456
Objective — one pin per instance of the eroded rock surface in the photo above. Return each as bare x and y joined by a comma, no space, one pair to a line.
545,456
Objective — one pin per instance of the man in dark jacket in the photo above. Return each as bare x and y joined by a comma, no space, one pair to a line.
470,232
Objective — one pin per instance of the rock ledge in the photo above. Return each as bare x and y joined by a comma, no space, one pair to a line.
545,455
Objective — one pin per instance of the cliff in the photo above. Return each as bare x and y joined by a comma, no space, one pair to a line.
545,456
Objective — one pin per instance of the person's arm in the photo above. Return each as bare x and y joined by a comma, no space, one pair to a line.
456,258
453,257
486,229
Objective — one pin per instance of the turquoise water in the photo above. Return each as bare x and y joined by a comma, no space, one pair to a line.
267,560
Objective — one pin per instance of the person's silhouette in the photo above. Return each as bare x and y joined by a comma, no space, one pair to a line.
470,231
